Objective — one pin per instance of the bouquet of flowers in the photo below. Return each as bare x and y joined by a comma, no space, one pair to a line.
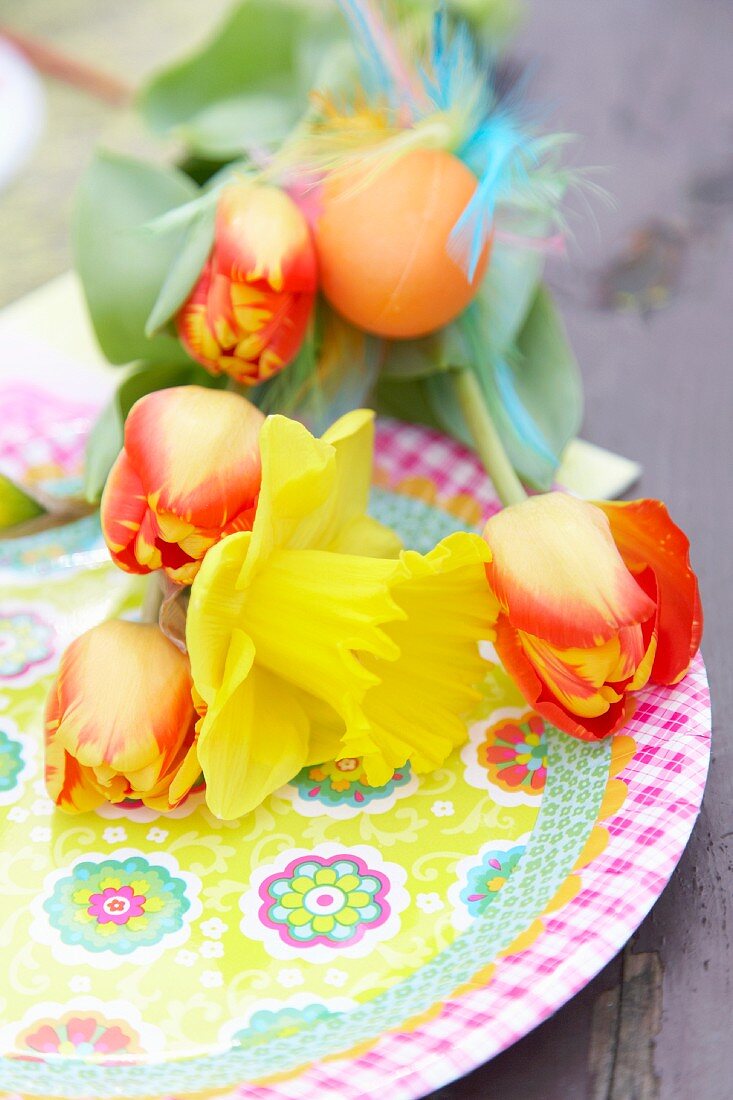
381,245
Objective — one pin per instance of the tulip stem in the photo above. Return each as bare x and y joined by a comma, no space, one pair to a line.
153,599
486,439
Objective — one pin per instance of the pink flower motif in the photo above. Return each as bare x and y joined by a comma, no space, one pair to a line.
116,905
514,752
78,1036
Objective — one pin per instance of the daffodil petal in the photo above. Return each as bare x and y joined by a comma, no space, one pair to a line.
250,743
419,706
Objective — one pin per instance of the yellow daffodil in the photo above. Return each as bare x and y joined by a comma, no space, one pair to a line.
312,637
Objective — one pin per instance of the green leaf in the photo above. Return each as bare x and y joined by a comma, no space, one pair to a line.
404,359
184,271
506,293
546,374
334,372
16,506
107,435
205,98
222,130
533,393
121,265
409,400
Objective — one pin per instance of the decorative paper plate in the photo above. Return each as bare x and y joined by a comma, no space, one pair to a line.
342,938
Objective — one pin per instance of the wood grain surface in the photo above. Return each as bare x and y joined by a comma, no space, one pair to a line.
647,293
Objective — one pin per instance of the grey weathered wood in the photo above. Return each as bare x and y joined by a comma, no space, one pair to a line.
649,85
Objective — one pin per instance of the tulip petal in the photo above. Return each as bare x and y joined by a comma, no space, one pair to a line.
113,713
261,235
647,537
123,508
512,654
69,785
558,574
418,708
196,452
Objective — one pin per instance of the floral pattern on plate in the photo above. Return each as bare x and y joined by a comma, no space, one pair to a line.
325,901
338,788
85,1028
480,878
27,645
106,909
508,757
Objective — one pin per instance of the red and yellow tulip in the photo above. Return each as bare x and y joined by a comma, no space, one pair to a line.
120,721
595,601
248,313
188,475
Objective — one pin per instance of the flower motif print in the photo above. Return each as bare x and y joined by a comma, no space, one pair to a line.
326,901
486,878
213,928
314,904
289,979
186,958
114,835
114,907
443,809
336,977
211,949
514,754
341,785
212,979
11,762
116,904
429,903
26,641
267,1025
77,1035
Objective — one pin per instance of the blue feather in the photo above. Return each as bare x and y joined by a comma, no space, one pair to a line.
522,422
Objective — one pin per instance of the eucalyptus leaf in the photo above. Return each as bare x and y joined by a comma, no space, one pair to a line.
255,52
429,355
547,376
122,266
222,130
506,293
184,271
533,393
107,436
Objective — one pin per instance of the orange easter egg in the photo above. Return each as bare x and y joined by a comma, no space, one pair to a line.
383,246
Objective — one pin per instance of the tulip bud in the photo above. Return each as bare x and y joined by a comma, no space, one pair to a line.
120,721
248,313
188,474
594,602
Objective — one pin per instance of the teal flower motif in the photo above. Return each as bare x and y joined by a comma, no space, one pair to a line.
343,783
487,878
117,906
11,762
266,1025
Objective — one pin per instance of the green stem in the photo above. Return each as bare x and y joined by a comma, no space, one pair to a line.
153,599
486,438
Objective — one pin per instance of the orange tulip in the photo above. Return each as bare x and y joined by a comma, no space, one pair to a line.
188,475
120,721
248,313
595,600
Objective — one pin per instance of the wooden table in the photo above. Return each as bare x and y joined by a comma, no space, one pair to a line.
649,85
